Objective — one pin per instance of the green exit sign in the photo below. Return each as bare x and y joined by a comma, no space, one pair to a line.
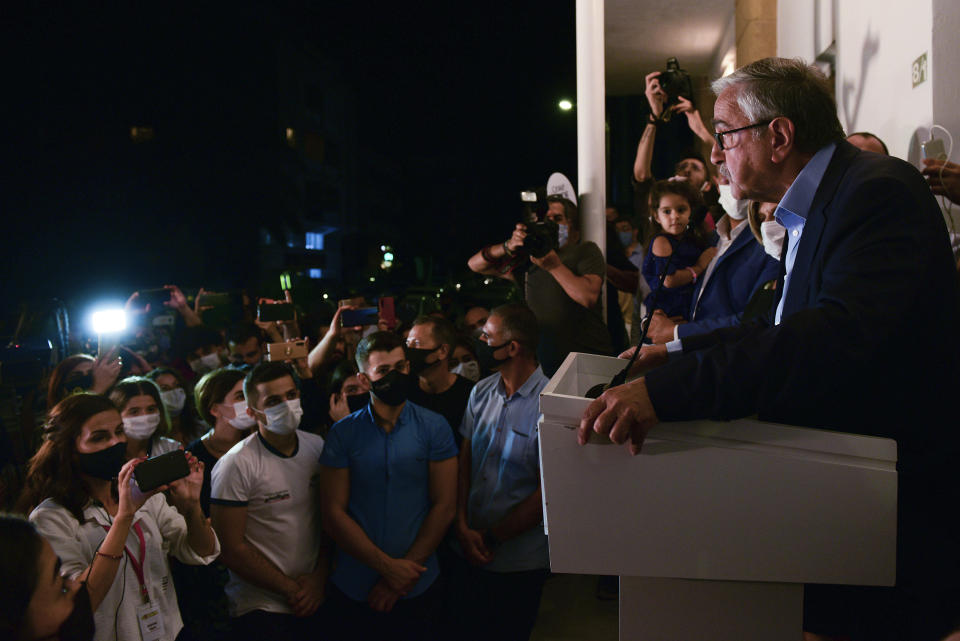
918,70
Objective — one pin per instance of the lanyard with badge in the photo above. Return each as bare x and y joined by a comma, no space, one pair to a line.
148,614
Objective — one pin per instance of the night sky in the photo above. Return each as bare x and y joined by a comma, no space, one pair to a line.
461,97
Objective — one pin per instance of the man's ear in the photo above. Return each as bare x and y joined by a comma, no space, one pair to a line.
782,138
443,352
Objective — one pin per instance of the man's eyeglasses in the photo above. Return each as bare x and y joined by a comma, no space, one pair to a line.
718,135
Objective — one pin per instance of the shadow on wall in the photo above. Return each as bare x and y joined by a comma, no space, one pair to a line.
871,45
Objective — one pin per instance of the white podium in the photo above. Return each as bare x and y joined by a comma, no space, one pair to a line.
715,526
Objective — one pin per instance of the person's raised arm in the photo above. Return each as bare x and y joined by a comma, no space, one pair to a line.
400,574
488,259
321,353
230,523
694,120
179,302
655,97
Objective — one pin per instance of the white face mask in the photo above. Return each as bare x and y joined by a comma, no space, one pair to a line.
563,234
241,420
206,363
284,417
470,369
141,427
772,233
174,400
736,209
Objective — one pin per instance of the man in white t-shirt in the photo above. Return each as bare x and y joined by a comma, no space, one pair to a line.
264,505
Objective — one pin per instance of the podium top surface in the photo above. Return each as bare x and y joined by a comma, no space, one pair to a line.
562,402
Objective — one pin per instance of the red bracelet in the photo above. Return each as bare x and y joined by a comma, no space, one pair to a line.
693,273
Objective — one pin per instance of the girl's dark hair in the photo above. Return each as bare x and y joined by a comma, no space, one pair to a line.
190,426
213,388
20,548
126,389
56,390
694,198
53,471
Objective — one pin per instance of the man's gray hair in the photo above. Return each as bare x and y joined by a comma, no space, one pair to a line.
775,87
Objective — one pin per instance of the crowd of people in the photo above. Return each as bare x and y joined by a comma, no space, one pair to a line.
383,481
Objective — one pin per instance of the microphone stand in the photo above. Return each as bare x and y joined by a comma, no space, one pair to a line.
621,377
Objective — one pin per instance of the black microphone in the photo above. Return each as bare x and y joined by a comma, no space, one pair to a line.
621,377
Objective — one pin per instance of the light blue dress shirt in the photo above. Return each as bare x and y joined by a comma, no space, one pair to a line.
792,213
505,465
794,208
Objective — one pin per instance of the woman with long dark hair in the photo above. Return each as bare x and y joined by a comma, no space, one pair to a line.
145,418
106,532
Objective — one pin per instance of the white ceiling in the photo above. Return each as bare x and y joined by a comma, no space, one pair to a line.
642,34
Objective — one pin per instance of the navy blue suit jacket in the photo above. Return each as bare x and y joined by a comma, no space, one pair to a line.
743,269
868,343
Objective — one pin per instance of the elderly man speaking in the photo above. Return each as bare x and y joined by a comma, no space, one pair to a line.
863,337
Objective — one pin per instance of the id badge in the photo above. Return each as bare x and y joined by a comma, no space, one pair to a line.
151,622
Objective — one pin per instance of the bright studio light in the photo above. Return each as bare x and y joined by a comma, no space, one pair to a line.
565,105
108,321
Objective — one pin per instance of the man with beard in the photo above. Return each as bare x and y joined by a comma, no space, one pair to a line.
388,483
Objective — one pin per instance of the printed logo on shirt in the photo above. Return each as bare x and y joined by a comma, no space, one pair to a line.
165,583
283,495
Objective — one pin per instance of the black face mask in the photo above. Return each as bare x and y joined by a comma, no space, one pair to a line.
418,359
104,464
394,388
489,362
357,401
79,625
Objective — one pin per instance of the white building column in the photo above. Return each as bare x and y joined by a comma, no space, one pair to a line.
591,116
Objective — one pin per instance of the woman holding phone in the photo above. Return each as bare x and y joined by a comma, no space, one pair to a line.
107,534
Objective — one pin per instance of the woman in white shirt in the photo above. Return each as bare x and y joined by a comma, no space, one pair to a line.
106,533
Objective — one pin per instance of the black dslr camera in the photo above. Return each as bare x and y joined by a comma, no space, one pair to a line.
676,83
543,236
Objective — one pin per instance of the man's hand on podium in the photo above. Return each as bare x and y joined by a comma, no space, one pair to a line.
650,356
621,413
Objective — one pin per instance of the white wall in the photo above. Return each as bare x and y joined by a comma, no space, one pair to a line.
946,61
877,42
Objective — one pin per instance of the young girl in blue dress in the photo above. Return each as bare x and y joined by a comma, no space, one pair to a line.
674,240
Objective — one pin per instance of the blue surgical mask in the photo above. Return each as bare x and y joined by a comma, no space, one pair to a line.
563,234
626,237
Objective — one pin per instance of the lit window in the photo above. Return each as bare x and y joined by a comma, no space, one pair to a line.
314,240
316,273
291,137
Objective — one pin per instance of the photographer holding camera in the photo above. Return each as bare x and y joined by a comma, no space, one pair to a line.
669,92
562,286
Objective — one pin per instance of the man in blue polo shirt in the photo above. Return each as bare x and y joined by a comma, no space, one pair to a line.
389,482
497,577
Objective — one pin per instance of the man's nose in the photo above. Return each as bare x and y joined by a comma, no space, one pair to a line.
716,154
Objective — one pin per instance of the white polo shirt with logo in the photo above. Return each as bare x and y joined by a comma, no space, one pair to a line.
283,522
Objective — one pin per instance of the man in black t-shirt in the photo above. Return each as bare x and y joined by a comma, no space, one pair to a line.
430,344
